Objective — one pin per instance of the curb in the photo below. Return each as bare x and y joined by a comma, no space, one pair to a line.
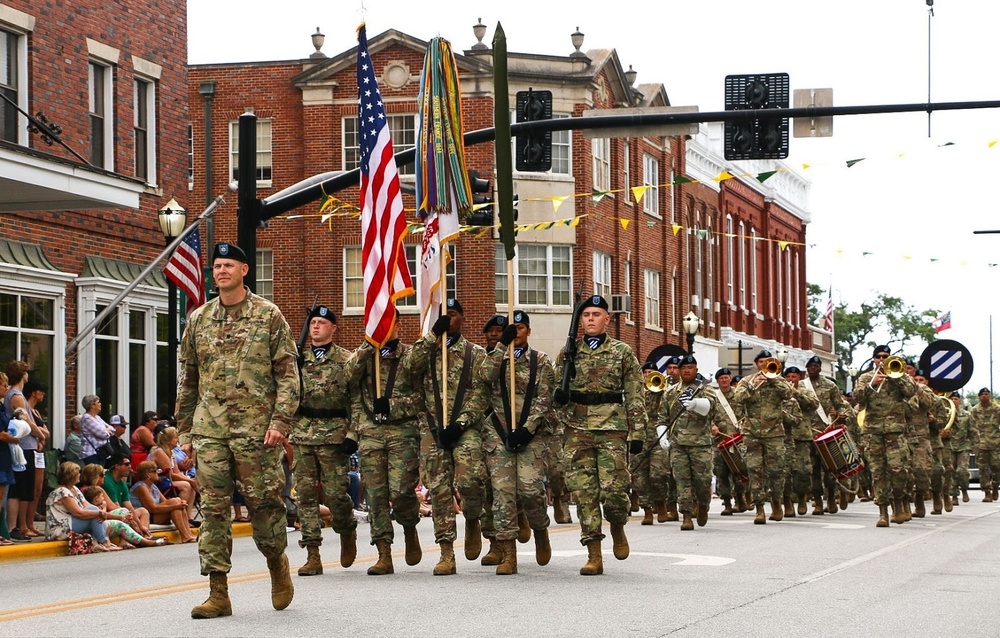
56,549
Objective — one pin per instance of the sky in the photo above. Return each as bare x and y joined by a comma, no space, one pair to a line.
900,222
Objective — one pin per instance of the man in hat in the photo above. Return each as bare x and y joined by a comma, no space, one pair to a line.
883,399
324,440
492,330
727,423
761,396
832,407
984,421
957,444
605,414
798,441
119,446
927,416
386,420
649,477
236,400
513,458
685,421
451,444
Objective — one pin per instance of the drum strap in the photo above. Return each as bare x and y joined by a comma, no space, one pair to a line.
724,402
820,411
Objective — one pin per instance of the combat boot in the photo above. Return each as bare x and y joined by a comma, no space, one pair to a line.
647,516
965,495
803,507
348,548
818,505
776,513
761,518
742,504
831,501
671,512
954,501
595,562
218,598
987,496
897,511
996,495
687,523
907,513
619,541
883,516
789,508
863,495
313,566
493,556
414,554
702,516
918,505
560,509
938,503
523,528
845,498
384,564
282,589
508,562
633,499
543,550
661,511
727,507
473,539
446,565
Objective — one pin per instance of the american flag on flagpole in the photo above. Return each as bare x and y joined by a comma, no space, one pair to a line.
184,269
828,323
383,221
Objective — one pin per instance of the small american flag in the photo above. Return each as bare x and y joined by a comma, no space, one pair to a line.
184,269
383,221
828,323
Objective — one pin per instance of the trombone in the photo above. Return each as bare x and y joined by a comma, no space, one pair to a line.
894,368
770,368
655,381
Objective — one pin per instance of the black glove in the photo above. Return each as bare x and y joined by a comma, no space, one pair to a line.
441,325
635,446
519,438
451,434
508,334
380,407
349,446
560,397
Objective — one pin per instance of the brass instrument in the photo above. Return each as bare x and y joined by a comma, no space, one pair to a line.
894,367
771,368
655,381
952,412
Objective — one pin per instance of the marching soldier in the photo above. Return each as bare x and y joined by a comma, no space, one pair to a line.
985,423
324,440
551,441
236,400
926,473
386,420
684,425
649,477
726,424
513,459
604,398
883,398
799,443
832,406
673,376
451,444
935,418
958,440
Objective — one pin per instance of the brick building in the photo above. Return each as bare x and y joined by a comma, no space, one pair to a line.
642,217
80,204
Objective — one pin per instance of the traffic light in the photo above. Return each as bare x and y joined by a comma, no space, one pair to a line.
765,136
482,201
533,150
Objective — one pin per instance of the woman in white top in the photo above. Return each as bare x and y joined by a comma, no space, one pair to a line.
67,510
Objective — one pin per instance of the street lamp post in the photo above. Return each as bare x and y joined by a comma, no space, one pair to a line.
172,218
691,325
853,374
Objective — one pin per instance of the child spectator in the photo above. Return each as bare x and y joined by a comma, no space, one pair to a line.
67,510
130,539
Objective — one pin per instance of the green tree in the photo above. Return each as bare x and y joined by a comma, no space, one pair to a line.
817,303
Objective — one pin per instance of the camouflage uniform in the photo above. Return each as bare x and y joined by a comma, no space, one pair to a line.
985,421
462,468
884,433
726,483
799,441
516,476
238,378
922,459
390,452
690,439
958,444
649,478
551,436
605,398
323,424
830,398
764,435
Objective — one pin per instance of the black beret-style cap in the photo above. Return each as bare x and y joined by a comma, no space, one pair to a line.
986,390
687,360
595,301
763,354
229,251
453,304
880,349
498,321
674,361
814,360
323,313
649,365
521,316
722,371
792,370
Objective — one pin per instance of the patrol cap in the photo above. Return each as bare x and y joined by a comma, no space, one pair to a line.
955,394
814,360
118,420
229,251
453,304
879,350
763,354
649,365
722,371
687,360
911,362
792,370
920,373
521,316
498,321
674,361
323,313
986,390
595,301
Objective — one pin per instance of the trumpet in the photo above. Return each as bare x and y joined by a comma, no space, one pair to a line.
771,368
894,367
655,381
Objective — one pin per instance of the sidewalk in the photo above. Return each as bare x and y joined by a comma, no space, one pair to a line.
41,548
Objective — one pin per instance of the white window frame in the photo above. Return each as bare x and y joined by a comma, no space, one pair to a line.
265,273
562,149
104,109
651,293
18,34
789,278
743,266
730,261
779,285
552,253
190,155
628,285
601,151
354,300
602,274
753,270
627,195
402,129
265,157
149,88
651,178
708,306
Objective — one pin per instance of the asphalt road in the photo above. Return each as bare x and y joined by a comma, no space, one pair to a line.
831,575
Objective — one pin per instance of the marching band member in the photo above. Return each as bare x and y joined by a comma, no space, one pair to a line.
832,407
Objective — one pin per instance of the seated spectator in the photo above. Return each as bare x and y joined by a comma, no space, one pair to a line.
68,511
120,529
169,474
118,444
162,510
72,449
142,440
7,445
116,487
184,462
94,432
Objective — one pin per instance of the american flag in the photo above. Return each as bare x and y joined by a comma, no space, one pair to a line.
184,269
383,221
828,324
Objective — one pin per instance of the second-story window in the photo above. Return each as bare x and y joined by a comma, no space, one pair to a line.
145,130
264,158
100,98
403,130
601,149
9,85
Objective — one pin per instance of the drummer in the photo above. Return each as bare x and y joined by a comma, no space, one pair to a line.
833,409
726,424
